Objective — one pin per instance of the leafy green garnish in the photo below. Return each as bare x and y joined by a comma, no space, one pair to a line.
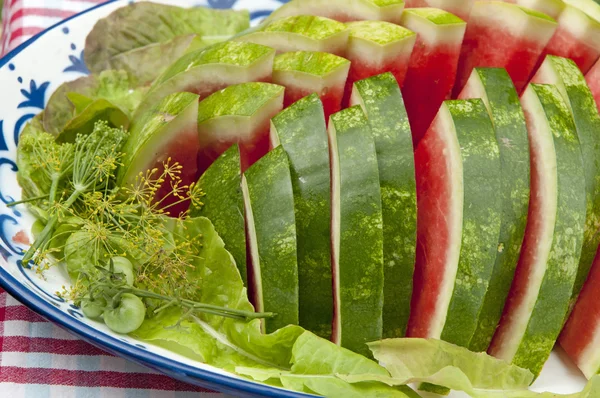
143,38
78,103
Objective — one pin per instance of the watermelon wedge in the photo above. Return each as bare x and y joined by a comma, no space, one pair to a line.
305,72
580,336
432,66
593,80
223,204
552,8
356,232
504,35
211,69
495,88
565,74
458,222
300,130
376,47
237,114
165,133
343,10
538,301
271,234
577,37
381,100
460,8
301,33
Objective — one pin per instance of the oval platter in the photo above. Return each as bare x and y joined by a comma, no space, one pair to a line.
28,75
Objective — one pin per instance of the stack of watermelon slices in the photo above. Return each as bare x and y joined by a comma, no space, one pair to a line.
360,202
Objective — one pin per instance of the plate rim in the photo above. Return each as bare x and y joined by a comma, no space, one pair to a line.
93,336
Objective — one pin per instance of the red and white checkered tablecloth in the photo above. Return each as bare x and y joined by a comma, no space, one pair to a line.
38,359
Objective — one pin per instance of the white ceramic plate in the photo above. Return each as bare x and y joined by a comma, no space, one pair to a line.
28,76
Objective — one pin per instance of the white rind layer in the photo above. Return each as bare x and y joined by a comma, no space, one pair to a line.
288,42
432,33
348,9
238,128
376,54
310,82
334,160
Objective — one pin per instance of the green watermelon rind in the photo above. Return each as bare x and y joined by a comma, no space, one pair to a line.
495,88
223,204
389,10
357,227
238,61
301,130
300,32
552,303
151,130
381,100
270,200
571,83
482,215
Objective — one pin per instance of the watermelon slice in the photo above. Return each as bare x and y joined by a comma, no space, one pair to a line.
432,66
580,338
375,47
305,72
223,204
381,100
165,133
357,233
239,113
593,80
459,212
209,70
567,77
577,37
301,33
495,88
504,35
271,232
539,297
460,8
301,130
552,8
344,10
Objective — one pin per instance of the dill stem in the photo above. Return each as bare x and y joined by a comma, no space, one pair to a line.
28,200
46,233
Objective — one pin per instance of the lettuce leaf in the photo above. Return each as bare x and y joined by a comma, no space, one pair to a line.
131,36
74,98
33,181
413,360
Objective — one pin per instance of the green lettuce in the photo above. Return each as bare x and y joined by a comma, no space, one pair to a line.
143,38
31,177
109,96
441,363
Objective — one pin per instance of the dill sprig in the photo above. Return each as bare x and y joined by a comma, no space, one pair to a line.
111,221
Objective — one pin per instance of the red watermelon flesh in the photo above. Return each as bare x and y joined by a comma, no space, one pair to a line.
593,80
503,35
460,8
432,67
438,236
376,47
305,72
577,37
580,337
